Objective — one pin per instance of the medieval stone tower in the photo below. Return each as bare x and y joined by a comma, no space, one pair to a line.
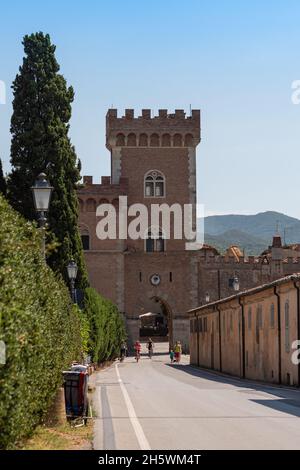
153,161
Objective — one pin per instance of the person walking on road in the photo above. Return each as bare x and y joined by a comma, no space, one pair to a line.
178,351
123,350
172,355
150,347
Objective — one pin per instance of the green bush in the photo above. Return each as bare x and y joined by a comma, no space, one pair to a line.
107,329
84,328
39,325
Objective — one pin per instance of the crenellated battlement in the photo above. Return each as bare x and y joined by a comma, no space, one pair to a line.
106,183
91,194
146,114
163,130
256,261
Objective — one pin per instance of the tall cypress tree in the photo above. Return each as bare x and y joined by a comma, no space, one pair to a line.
40,143
3,184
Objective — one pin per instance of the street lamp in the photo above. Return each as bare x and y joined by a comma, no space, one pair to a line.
207,297
72,269
41,192
236,284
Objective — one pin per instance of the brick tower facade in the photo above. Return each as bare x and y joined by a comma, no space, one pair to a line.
153,161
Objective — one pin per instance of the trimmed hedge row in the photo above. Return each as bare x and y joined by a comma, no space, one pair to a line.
107,328
39,325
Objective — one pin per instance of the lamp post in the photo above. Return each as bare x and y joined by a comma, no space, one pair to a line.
72,269
41,192
236,284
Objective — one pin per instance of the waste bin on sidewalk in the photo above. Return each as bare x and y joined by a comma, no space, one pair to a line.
76,393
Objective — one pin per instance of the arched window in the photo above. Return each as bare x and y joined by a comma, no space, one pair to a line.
103,201
155,241
91,205
154,140
143,140
131,140
154,185
85,238
81,205
120,140
188,140
115,203
177,140
166,140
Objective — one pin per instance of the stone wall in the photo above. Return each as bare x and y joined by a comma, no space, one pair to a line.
251,334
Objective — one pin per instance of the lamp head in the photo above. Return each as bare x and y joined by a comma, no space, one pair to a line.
41,191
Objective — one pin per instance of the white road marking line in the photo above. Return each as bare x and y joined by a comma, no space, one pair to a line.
142,440
98,431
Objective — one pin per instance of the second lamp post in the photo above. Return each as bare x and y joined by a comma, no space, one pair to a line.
72,274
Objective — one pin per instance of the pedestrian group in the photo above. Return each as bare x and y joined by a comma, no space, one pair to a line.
175,353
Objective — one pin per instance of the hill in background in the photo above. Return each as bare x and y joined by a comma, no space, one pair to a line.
253,233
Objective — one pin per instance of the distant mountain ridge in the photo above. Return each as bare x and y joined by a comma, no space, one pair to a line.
253,233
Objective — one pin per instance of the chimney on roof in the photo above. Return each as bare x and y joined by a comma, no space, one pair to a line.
276,248
277,243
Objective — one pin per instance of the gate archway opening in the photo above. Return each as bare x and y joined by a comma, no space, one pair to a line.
156,321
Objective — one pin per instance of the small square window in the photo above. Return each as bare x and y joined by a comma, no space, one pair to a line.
260,318
272,316
249,319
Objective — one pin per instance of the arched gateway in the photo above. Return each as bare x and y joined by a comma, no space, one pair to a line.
157,321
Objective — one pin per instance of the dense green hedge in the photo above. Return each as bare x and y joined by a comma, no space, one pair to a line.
107,329
39,325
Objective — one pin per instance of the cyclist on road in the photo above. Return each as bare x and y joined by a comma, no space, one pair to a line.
137,348
123,350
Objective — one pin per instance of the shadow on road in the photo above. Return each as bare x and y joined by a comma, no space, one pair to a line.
284,405
288,399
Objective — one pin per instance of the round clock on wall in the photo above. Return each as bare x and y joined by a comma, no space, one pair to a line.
155,279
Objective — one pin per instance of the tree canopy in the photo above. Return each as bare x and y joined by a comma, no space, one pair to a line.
40,143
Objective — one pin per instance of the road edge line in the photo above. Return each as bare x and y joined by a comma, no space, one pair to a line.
140,435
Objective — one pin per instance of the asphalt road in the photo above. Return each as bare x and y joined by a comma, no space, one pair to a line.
158,405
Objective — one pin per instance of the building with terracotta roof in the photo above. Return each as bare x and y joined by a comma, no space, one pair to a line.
252,334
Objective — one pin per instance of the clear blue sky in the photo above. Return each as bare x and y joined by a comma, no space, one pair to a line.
234,60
